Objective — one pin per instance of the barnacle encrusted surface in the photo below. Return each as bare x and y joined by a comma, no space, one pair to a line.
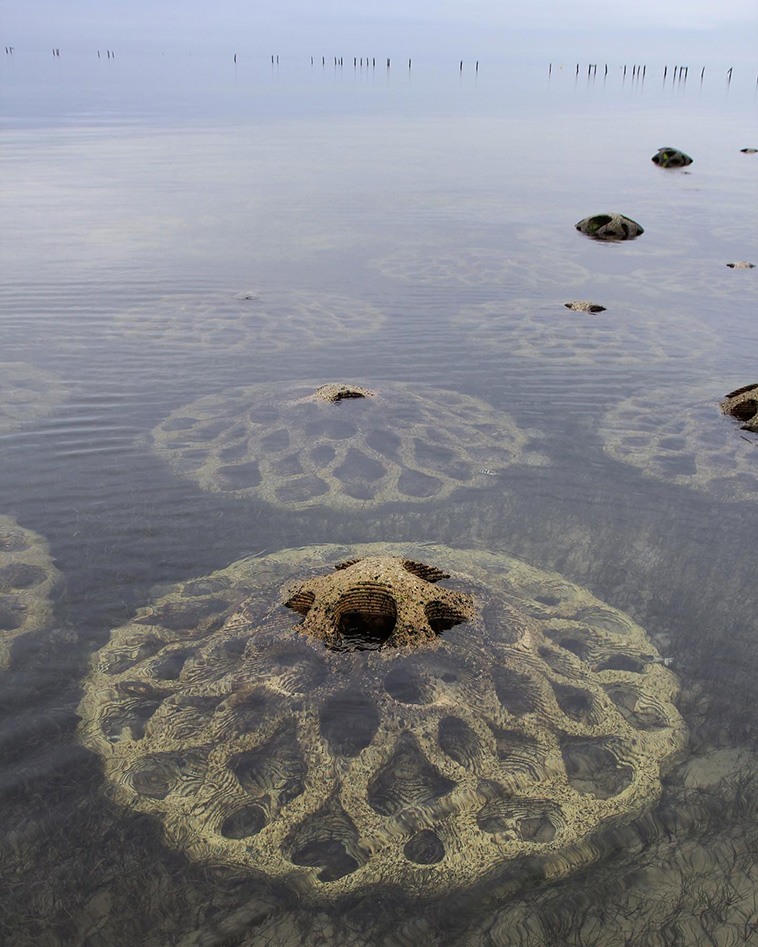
479,266
292,447
27,578
671,158
438,717
742,404
609,227
270,321
531,328
27,394
584,305
680,435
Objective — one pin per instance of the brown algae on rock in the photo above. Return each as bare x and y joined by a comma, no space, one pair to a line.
583,305
742,404
436,717
609,227
671,158
303,445
27,580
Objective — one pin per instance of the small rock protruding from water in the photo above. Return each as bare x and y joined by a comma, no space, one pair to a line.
609,227
741,265
742,404
749,151
334,392
671,158
583,305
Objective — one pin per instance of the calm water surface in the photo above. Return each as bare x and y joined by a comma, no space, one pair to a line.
133,187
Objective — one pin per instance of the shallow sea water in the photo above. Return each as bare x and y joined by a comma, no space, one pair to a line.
447,202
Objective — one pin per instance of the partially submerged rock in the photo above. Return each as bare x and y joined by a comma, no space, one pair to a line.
671,158
742,404
749,151
741,265
27,580
609,227
584,305
405,732
336,392
303,445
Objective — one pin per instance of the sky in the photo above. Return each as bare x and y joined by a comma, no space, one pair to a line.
638,30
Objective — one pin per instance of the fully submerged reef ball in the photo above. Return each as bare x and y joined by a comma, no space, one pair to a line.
27,579
609,227
338,717
671,158
305,445
680,435
27,394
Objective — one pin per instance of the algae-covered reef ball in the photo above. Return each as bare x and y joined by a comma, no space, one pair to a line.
742,404
346,446
27,579
338,717
27,394
258,323
609,227
680,434
671,158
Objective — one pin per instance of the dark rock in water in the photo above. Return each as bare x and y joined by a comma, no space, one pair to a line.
742,404
582,305
609,227
741,265
749,151
671,158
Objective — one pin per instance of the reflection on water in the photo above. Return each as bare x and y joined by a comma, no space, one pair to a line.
445,210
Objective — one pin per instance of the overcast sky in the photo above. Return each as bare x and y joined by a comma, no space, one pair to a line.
672,30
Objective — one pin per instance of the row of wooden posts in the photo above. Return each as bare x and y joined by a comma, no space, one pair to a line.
637,71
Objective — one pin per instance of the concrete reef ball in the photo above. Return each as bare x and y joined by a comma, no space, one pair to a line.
27,579
437,718
742,404
671,158
265,322
27,394
678,434
609,227
583,305
304,445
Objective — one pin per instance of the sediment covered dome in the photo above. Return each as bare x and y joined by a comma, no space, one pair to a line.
27,394
270,321
534,328
304,444
339,717
478,266
680,435
27,579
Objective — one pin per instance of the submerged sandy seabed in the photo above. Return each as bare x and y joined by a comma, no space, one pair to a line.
528,718
27,579
680,435
288,446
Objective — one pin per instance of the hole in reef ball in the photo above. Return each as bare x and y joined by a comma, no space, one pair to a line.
365,618
425,848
